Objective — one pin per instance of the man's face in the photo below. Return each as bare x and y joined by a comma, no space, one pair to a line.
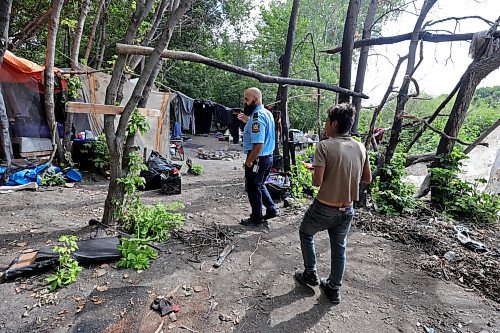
249,99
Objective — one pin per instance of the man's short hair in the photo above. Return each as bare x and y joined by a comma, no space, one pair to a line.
255,92
344,115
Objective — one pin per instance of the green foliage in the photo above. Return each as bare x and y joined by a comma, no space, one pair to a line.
133,180
68,269
137,123
52,179
197,169
301,177
99,153
459,198
136,253
394,197
74,84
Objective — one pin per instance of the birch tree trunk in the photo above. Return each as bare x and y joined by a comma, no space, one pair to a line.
88,48
49,74
75,54
5,8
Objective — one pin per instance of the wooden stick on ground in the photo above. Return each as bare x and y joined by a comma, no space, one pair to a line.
158,330
187,328
251,254
228,249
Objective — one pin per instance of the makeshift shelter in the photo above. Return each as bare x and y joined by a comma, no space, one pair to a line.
22,86
23,90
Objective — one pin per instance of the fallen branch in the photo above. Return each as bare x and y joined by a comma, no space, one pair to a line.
443,134
227,250
194,57
251,254
482,136
415,159
85,72
424,35
187,328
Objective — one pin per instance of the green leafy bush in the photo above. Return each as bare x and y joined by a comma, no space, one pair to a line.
68,269
197,169
52,179
301,177
459,198
393,197
136,253
99,153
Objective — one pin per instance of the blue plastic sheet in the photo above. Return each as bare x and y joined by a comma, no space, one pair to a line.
32,174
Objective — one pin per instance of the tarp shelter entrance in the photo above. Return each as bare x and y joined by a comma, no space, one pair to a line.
22,87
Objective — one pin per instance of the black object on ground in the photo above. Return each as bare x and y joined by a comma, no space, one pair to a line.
157,166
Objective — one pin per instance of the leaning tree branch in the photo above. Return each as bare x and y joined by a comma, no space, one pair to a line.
434,115
194,57
443,134
455,18
482,136
423,35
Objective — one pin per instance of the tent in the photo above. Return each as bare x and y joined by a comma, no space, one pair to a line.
22,87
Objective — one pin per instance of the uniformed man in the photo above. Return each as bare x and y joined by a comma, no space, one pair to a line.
258,145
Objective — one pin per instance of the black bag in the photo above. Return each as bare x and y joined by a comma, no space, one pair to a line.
158,165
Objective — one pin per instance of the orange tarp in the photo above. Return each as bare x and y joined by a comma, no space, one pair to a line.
19,70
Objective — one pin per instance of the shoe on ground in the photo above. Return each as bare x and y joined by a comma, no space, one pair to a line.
332,294
305,278
270,214
250,223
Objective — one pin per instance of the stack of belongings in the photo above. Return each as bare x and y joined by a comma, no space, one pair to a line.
162,174
278,185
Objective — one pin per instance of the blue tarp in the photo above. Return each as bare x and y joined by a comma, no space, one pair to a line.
32,174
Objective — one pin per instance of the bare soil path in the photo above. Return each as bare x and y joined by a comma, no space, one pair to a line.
384,290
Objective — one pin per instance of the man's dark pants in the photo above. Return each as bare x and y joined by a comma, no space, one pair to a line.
258,194
337,221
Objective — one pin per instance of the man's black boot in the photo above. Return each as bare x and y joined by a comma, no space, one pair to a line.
306,278
271,213
251,223
332,294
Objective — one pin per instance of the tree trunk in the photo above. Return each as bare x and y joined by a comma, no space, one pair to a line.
88,48
118,144
75,54
160,9
363,60
285,63
403,97
347,48
30,30
5,8
49,74
475,73
101,45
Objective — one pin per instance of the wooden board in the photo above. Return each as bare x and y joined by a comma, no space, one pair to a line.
77,107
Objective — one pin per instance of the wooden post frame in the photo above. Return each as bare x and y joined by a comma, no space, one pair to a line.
77,107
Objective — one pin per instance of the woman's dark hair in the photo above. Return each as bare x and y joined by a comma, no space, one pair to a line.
344,115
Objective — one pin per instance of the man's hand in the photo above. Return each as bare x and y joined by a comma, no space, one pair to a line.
248,163
242,117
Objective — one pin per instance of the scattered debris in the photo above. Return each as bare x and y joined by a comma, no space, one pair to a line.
99,272
211,308
102,288
188,329
251,254
164,307
198,289
218,155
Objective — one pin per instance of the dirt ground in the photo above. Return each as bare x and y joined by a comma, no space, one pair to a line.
384,291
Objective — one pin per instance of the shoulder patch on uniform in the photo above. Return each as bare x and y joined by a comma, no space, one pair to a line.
255,127
255,115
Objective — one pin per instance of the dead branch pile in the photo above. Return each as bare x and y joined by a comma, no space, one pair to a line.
446,258
201,241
